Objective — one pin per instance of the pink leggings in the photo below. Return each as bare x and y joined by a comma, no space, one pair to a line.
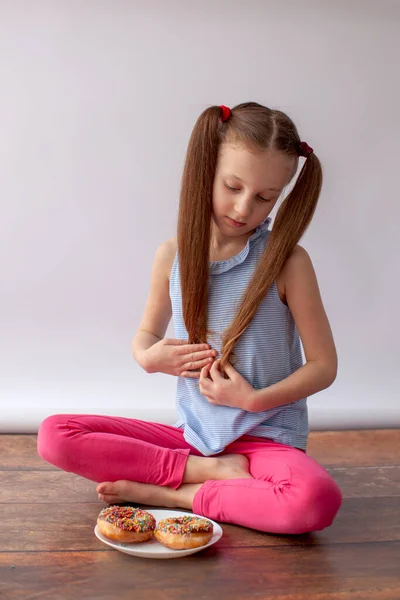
290,493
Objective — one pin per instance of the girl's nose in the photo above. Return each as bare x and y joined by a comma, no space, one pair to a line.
242,207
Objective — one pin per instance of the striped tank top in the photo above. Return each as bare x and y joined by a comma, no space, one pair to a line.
267,352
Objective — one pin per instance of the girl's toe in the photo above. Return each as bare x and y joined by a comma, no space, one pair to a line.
109,498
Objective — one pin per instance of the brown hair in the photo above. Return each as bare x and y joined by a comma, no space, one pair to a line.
258,128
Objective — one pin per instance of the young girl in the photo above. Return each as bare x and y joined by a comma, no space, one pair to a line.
242,297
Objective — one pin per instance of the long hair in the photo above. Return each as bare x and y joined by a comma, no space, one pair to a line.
258,128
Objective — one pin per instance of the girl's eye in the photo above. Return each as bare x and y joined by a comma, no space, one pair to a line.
237,190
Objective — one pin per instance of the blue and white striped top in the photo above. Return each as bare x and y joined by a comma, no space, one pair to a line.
267,352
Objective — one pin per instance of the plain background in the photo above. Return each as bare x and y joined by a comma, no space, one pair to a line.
97,103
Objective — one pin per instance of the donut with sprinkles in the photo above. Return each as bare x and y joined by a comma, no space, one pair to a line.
185,532
126,524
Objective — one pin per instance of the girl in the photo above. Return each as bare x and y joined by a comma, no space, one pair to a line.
242,297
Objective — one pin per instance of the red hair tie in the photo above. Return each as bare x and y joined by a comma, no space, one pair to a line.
226,113
305,149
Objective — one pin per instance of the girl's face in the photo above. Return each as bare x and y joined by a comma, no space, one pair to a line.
247,186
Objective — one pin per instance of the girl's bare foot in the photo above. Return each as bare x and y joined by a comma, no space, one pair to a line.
144,493
229,466
233,466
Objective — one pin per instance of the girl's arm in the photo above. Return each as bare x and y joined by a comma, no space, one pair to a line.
304,301
158,311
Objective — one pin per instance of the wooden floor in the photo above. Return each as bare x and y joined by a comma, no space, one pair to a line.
48,549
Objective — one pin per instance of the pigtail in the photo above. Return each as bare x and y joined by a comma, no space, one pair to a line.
194,222
292,220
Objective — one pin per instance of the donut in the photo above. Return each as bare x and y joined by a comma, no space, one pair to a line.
181,533
126,524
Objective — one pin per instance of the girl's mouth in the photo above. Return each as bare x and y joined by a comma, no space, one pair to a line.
235,223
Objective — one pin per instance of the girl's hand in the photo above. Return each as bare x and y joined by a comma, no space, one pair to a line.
235,391
177,357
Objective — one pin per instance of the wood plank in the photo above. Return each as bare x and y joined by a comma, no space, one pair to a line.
45,486
339,572
331,448
355,448
19,452
69,527
59,486
356,482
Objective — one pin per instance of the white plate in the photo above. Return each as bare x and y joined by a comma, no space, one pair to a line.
153,548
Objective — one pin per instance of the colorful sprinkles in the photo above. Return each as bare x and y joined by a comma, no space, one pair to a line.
185,525
128,518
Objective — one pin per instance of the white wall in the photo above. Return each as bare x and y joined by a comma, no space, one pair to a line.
97,102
